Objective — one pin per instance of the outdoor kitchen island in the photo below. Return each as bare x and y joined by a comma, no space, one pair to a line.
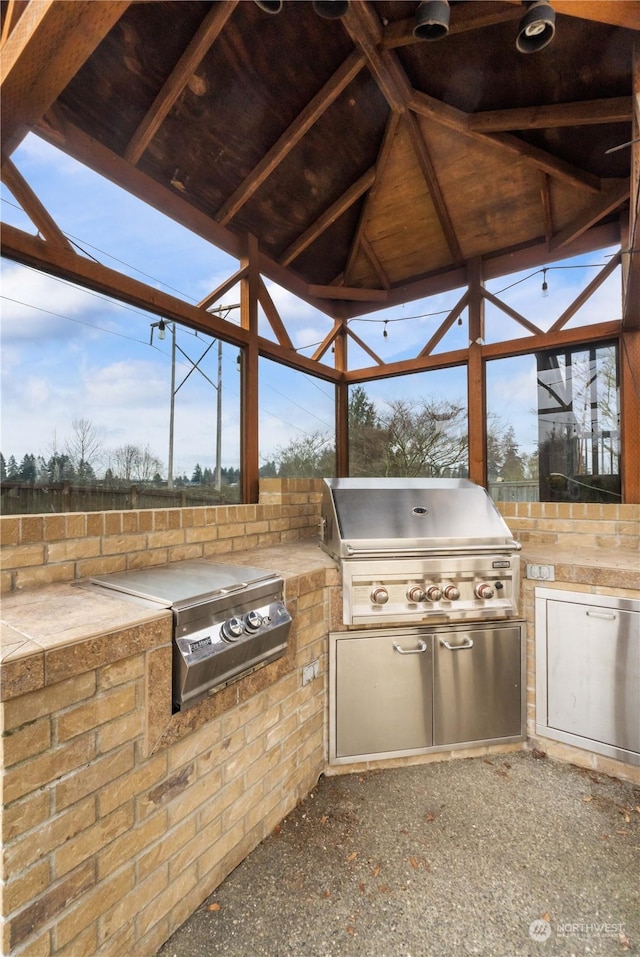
121,818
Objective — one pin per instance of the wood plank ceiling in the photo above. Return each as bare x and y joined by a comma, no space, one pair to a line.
349,162
370,167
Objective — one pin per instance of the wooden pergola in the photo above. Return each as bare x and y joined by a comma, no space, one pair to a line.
351,163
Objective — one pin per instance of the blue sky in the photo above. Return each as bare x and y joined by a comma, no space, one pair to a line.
69,354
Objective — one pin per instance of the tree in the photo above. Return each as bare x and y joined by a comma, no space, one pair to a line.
3,468
12,469
131,463
196,478
310,456
368,439
27,471
84,448
426,438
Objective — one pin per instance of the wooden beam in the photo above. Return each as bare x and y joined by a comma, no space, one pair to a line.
378,268
364,28
530,326
273,316
205,36
547,206
618,13
381,163
61,36
363,345
609,199
617,109
249,378
630,414
444,327
335,211
586,294
470,16
444,360
328,340
631,244
14,10
317,106
431,179
223,288
44,223
66,264
457,120
346,292
32,251
476,378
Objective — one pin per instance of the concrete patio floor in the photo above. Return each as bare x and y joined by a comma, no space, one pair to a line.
507,855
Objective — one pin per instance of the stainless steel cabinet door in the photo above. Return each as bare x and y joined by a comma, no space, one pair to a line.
593,673
383,694
477,684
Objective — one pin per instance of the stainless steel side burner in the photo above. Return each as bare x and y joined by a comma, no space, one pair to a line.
227,619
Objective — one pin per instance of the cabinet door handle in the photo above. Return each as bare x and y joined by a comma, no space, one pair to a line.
422,646
607,615
468,643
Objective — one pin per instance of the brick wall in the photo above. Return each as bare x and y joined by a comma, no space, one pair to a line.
108,848
43,549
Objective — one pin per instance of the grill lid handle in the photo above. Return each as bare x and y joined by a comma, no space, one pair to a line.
436,550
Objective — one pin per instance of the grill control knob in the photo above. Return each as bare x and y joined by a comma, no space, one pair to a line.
232,629
433,593
252,620
415,593
484,590
380,596
451,592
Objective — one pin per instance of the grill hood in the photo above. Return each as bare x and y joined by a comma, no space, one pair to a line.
406,517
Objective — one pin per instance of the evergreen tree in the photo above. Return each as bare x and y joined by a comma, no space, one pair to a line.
27,471
12,469
196,478
3,468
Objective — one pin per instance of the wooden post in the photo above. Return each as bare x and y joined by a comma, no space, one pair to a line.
342,404
476,377
249,413
630,415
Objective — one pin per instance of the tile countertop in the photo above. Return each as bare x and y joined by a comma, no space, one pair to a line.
613,568
53,632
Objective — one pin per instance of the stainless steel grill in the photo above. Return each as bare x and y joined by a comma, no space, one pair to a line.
420,550
227,619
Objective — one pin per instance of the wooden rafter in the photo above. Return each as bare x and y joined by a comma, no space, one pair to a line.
370,253
457,120
586,294
617,109
47,32
196,50
365,30
547,208
314,109
381,163
471,16
605,203
13,13
39,216
329,217
619,13
426,166
631,247
349,292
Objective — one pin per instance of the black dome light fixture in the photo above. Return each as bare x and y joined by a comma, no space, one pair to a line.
331,9
537,27
269,6
432,20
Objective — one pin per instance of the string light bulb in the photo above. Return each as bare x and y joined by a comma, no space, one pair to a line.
545,286
161,329
384,331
